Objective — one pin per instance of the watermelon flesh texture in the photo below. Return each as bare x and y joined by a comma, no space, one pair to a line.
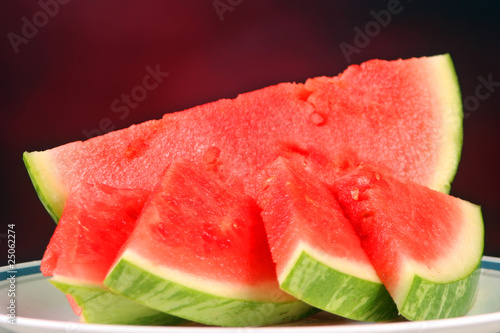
426,246
403,116
199,251
318,255
96,222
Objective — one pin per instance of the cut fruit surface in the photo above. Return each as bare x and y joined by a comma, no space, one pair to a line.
318,254
199,251
403,116
265,208
426,246
95,223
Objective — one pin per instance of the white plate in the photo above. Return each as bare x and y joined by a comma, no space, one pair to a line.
40,308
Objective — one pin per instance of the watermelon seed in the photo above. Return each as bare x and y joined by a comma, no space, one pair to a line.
364,181
367,214
316,118
267,182
355,193
310,200
211,155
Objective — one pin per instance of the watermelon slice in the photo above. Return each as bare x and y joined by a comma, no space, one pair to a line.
199,251
95,223
403,116
318,255
426,246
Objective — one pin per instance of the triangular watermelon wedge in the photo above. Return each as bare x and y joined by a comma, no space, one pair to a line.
404,116
200,252
96,222
426,246
318,254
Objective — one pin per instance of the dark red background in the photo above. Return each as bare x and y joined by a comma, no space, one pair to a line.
65,78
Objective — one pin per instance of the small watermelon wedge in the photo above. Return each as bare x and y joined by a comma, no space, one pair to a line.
199,251
318,255
404,116
95,223
426,246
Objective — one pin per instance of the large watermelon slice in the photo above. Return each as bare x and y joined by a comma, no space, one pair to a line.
318,255
404,116
95,223
199,251
426,246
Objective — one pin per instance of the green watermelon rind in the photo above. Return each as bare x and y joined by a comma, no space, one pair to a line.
454,299
427,296
452,113
135,282
101,306
333,291
48,187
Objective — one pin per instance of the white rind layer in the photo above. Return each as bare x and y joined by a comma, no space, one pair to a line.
77,282
260,293
46,180
445,81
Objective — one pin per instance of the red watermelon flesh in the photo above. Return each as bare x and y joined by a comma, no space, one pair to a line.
415,236
195,223
74,305
298,208
318,254
199,252
96,222
400,115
